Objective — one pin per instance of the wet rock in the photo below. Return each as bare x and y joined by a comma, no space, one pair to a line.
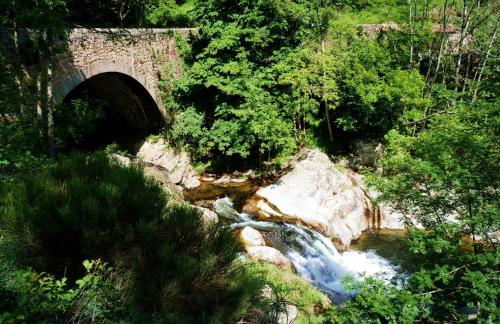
269,254
178,165
206,203
225,179
251,237
289,316
267,210
238,180
191,182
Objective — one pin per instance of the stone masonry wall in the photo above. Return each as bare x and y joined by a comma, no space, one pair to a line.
135,52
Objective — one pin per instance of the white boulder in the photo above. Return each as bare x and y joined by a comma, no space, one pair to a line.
251,237
269,254
178,165
317,194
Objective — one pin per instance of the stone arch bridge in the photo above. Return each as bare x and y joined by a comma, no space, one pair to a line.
122,66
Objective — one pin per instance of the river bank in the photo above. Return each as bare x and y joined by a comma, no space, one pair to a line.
304,218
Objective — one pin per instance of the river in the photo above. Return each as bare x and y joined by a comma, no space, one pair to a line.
314,257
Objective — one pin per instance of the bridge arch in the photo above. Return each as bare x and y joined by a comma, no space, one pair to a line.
130,110
122,67
69,82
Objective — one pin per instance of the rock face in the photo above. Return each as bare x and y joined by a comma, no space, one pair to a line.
289,316
256,248
209,217
178,166
120,159
269,254
251,237
319,195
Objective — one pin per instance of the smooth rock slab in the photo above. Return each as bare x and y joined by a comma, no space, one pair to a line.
319,195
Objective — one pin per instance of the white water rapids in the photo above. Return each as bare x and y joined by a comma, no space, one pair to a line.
312,254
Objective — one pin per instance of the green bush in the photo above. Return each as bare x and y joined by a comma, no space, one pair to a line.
287,288
82,208
28,296
80,118
174,268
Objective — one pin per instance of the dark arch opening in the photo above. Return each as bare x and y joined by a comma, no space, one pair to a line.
126,112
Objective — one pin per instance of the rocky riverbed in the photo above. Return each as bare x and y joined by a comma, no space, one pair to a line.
299,220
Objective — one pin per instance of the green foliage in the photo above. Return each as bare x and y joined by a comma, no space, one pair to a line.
114,148
39,297
169,13
259,72
189,128
77,121
450,167
377,302
173,266
446,178
373,95
228,77
283,288
77,201
21,151
34,15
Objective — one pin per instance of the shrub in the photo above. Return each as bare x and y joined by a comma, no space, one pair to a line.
173,267
29,296
286,288
82,208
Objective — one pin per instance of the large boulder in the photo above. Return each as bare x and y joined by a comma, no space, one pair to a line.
319,195
178,165
251,237
269,254
209,217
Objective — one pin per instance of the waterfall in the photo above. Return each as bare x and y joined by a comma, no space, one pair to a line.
313,255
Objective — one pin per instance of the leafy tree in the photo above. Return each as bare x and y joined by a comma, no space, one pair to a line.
169,13
228,79
445,178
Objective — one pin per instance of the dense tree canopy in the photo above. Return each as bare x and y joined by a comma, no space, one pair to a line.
260,79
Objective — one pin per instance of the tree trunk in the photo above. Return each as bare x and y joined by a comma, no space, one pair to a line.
18,76
325,102
411,31
443,42
50,114
490,45
45,95
467,71
463,31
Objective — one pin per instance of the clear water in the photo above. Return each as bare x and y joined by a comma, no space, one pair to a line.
313,255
